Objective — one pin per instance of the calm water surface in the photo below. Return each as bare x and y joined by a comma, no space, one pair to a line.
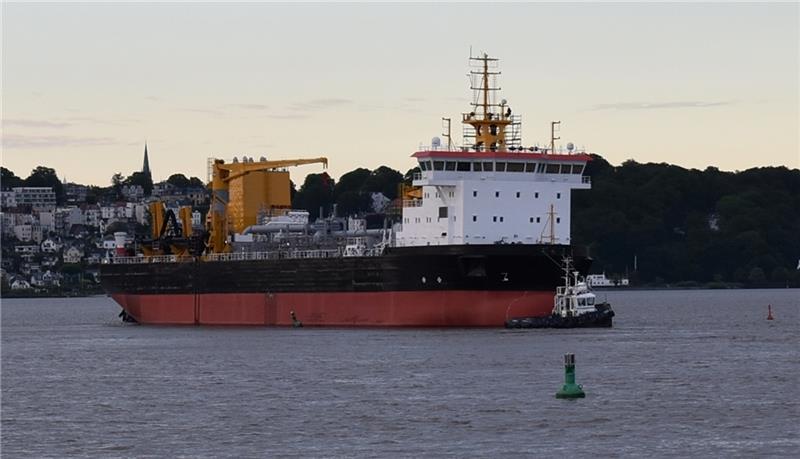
682,373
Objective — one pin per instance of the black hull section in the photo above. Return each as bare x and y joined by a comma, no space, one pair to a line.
429,268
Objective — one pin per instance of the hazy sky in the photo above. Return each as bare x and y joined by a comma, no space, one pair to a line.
84,86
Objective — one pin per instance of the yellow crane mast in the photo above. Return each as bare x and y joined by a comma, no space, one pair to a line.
239,190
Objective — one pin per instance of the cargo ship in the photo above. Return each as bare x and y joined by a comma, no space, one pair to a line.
480,234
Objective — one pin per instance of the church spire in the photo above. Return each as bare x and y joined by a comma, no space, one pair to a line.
146,164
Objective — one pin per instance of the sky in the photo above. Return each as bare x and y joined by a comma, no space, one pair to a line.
84,86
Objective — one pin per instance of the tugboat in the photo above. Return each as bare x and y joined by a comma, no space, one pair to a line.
575,306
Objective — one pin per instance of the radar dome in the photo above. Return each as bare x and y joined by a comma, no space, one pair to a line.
570,146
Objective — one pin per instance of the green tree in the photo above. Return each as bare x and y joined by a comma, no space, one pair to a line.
195,182
9,180
141,179
117,180
316,192
179,181
46,177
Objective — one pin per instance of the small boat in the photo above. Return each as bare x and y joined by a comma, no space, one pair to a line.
574,306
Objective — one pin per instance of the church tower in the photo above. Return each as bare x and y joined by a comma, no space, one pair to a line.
146,164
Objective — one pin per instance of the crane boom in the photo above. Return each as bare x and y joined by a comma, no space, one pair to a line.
223,175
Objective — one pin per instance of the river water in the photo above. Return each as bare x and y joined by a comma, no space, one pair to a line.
682,373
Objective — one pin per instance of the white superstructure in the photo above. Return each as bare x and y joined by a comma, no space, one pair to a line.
493,191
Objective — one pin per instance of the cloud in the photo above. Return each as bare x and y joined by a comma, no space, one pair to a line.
319,104
35,123
658,105
207,111
25,141
250,106
287,116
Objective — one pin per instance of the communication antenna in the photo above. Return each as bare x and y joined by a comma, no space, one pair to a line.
553,137
446,132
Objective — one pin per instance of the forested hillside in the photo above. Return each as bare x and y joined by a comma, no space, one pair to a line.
690,225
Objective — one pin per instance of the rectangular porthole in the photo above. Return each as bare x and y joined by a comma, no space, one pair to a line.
474,218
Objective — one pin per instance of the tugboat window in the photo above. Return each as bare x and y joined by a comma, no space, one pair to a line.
501,167
450,166
462,166
442,212
577,168
476,167
474,194
438,165
488,167
552,168
530,167
515,167
423,166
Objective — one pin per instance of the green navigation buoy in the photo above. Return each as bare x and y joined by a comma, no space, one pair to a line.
570,389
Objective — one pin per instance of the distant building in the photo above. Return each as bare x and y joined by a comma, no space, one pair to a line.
20,284
75,193
133,192
8,199
73,255
39,198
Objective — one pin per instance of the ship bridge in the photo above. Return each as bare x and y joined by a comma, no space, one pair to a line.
492,190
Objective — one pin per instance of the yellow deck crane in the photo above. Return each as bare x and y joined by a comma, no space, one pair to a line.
239,190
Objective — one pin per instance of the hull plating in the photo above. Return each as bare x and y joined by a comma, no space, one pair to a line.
453,308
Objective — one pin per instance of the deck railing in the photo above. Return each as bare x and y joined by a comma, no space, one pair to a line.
243,256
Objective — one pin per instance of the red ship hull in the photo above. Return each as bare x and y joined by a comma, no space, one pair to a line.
447,308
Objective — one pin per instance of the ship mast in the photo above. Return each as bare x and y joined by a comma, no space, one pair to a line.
489,126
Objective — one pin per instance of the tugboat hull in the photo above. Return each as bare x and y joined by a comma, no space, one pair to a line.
602,317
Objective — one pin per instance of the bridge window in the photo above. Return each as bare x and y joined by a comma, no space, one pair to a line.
530,167
438,165
540,168
552,169
462,166
423,166
500,167
515,167
488,167
577,168
450,166
476,167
